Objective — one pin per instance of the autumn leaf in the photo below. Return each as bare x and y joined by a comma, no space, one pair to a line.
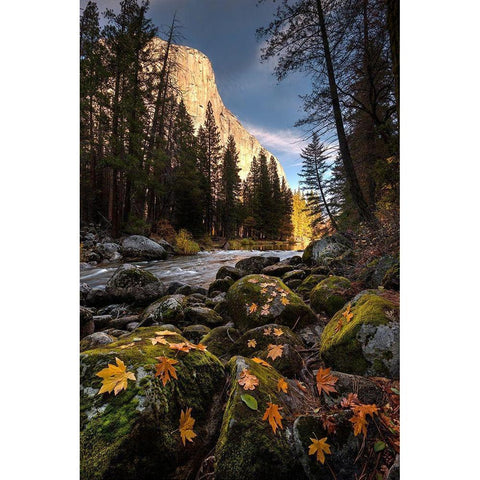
326,381
278,332
253,308
165,333
247,380
270,300
320,448
285,301
350,400
265,310
263,290
181,347
359,418
161,340
199,346
267,331
273,416
115,377
328,424
347,314
165,369
264,285
253,280
186,426
261,362
301,386
274,294
338,326
282,385
283,294
275,351
252,343
359,424
127,346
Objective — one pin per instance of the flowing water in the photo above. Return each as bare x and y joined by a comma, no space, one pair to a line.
197,270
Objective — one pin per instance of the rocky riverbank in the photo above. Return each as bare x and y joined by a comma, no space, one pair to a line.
312,335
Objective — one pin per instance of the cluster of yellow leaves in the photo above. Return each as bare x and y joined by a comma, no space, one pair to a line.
320,448
186,426
359,418
273,416
275,351
347,315
326,381
247,380
115,377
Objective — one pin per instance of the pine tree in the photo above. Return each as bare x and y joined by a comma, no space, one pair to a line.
314,169
209,155
229,189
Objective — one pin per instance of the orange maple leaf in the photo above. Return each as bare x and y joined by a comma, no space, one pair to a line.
278,332
182,346
186,426
261,362
247,380
267,331
265,310
319,447
273,416
350,400
199,346
285,300
338,326
275,351
347,314
252,343
127,346
359,418
282,385
161,340
164,333
115,377
325,381
253,308
165,369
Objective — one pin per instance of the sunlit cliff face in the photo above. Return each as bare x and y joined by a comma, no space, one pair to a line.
194,78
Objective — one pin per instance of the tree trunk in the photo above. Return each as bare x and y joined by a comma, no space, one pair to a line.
393,23
355,190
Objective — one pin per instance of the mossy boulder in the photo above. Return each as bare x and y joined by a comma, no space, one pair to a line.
255,264
367,344
309,283
220,340
383,271
135,434
327,250
232,272
132,284
344,448
168,309
220,285
247,448
257,300
294,275
194,333
95,340
330,295
202,315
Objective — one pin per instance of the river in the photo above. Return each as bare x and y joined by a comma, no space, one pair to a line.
198,270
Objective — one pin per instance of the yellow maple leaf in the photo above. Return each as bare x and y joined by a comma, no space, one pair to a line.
267,331
182,346
282,385
359,418
164,333
319,447
161,340
199,346
326,381
275,351
165,369
115,377
278,332
247,380
186,426
285,301
253,308
261,362
127,346
252,343
265,310
347,314
273,416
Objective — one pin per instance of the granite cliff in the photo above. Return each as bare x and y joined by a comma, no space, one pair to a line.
194,77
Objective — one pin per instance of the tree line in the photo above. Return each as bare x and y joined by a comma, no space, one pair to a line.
141,161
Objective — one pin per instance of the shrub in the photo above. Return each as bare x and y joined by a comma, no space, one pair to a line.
164,229
185,244
247,242
137,226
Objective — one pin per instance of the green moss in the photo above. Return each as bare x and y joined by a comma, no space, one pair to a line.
220,340
310,282
330,294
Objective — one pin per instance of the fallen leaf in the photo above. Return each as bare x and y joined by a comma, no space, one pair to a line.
325,381
267,331
274,294
261,362
253,308
282,385
264,285
350,400
252,343
379,446
186,426
164,333
181,347
301,386
115,377
320,448
161,340
338,326
275,351
347,314
247,380
199,346
263,290
359,418
359,424
329,424
127,346
265,310
270,300
285,301
249,401
253,280
278,332
273,416
165,369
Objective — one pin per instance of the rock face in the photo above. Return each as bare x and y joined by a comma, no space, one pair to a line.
195,79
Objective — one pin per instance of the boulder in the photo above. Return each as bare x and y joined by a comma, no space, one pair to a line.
327,250
295,260
309,283
98,297
247,448
293,283
134,434
102,321
294,275
107,250
87,326
257,300
368,343
203,316
168,309
138,246
330,295
84,291
256,264
220,340
278,269
95,340
383,271
194,333
132,284
231,272
220,285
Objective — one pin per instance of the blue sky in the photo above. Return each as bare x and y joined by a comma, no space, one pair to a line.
225,31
